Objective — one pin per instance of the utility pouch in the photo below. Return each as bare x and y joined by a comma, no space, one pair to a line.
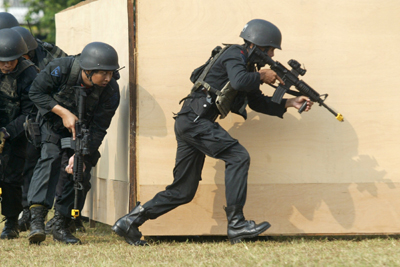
32,131
201,105
225,99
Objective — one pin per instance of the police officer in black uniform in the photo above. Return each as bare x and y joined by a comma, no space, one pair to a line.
227,82
40,53
53,92
16,77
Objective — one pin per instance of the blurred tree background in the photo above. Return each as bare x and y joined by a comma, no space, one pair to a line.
45,27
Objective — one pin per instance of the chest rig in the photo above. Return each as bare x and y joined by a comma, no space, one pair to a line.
225,96
51,52
67,95
10,99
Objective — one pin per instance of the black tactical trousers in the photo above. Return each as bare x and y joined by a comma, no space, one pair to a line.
47,170
32,156
11,184
195,140
65,191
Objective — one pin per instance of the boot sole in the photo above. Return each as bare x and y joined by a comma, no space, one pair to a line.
122,233
68,243
9,237
239,238
36,238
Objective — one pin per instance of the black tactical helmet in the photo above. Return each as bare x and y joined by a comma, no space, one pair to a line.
262,33
98,56
7,20
27,36
12,46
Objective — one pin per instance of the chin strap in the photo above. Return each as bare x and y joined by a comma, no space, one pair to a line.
89,76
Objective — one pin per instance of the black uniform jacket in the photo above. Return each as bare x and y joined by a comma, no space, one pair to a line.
232,66
53,77
24,80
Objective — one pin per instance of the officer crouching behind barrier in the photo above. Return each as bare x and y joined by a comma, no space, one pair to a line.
54,94
227,82
16,77
40,53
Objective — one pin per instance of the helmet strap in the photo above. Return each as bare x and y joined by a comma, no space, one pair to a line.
89,76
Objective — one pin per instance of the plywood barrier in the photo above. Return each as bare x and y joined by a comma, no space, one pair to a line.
309,173
290,208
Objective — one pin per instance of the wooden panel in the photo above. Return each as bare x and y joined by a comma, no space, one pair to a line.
107,200
304,161
309,173
95,21
333,208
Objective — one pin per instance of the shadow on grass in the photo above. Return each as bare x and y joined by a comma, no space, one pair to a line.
281,239
102,233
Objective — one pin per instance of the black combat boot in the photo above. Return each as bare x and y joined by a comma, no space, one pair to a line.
61,230
239,228
48,229
38,215
127,226
25,221
10,230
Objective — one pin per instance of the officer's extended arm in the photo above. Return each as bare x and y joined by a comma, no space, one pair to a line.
291,79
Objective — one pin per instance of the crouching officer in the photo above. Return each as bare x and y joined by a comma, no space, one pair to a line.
40,53
16,77
227,82
54,94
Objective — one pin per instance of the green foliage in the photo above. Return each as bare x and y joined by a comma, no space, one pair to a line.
46,25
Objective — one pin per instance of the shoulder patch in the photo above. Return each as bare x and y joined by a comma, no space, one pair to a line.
56,72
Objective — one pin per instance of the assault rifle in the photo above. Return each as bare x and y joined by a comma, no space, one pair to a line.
80,145
290,77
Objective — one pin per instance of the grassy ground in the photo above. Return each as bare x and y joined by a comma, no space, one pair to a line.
101,247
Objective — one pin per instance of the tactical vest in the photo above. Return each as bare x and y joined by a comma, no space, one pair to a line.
225,96
67,96
199,80
52,52
10,100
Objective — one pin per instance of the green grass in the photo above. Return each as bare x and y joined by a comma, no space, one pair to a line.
101,247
